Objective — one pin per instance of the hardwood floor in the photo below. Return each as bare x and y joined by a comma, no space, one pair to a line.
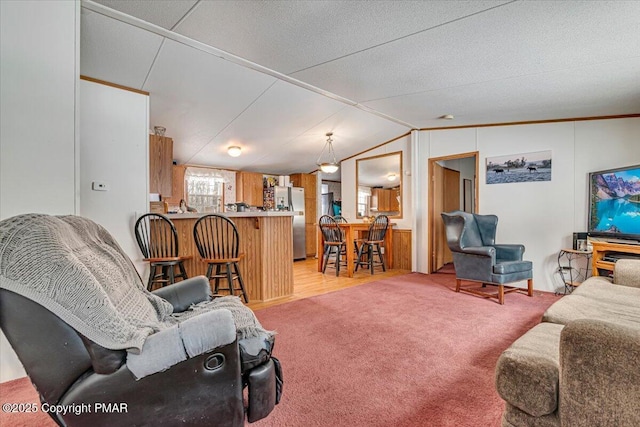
307,282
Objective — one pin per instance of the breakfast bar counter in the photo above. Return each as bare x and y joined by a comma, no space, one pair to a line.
266,239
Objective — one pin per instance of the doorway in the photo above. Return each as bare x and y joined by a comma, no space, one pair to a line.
449,190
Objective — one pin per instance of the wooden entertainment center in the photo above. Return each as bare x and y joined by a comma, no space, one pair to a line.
601,249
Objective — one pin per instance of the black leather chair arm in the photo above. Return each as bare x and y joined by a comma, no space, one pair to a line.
206,390
183,294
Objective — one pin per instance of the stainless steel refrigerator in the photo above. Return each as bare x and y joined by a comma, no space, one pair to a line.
292,198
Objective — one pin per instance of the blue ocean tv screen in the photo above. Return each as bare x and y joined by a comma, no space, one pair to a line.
615,202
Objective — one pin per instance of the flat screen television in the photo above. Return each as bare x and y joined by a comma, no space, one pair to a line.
614,203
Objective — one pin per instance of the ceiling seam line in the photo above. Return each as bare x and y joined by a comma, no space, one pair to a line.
186,15
232,120
153,63
179,38
402,38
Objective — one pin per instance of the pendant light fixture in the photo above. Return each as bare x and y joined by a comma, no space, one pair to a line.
332,165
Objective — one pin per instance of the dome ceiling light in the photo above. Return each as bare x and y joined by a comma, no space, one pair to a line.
234,151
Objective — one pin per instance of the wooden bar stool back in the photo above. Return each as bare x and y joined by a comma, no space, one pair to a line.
333,237
158,241
375,238
218,243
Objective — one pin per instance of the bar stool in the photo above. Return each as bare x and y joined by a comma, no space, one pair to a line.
333,240
158,241
217,240
375,237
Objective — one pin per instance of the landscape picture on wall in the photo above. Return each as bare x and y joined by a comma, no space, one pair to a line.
524,167
615,201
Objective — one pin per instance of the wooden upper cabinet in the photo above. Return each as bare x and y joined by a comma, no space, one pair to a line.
308,182
160,165
383,200
249,188
177,192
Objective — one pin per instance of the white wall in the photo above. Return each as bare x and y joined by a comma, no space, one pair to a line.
38,76
601,145
348,173
114,144
540,215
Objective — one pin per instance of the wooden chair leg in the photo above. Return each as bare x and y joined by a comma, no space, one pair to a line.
241,283
327,252
381,257
458,283
501,294
217,287
359,260
209,272
530,287
152,273
183,271
337,261
172,275
230,279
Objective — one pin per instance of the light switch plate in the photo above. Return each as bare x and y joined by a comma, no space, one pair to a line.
99,186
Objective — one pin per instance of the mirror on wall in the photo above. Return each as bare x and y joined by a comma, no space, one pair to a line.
379,185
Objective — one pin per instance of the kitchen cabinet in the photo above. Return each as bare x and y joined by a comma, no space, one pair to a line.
177,192
160,165
249,188
309,183
383,200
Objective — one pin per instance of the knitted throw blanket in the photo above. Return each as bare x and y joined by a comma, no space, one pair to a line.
74,268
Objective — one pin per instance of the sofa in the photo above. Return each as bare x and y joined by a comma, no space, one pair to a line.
581,365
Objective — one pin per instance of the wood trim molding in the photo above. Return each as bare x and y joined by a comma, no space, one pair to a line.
535,122
377,146
103,82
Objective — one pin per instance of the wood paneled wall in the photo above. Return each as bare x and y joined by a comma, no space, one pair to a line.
402,249
160,162
267,242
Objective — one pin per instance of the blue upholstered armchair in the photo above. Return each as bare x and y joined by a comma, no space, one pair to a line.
477,258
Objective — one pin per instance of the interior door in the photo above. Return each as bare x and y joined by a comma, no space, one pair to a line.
438,237
450,202
446,198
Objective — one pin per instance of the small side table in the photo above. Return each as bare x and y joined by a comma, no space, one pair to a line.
572,274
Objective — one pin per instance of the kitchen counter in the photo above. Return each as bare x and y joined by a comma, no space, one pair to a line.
266,239
246,214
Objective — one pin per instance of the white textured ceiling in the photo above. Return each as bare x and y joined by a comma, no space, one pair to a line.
275,76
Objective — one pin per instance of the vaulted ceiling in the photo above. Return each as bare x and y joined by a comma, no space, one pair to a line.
275,76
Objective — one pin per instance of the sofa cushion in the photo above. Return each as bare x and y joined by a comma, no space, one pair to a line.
597,299
514,417
627,272
603,290
508,267
527,372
